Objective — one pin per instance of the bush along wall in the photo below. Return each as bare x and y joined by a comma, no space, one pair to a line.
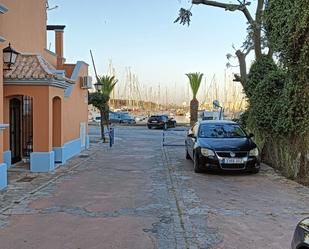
278,92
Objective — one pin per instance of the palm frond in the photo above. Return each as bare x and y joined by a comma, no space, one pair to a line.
195,80
108,84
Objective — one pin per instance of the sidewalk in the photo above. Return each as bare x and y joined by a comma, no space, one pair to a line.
23,184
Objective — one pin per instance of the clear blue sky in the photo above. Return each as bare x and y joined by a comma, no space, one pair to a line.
142,35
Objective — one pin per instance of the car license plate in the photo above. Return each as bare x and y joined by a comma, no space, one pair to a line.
154,121
233,160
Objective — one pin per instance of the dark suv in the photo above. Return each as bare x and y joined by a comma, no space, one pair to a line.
160,121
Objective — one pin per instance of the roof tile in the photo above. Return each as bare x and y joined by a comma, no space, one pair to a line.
32,67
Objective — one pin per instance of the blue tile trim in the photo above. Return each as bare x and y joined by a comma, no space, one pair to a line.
87,142
3,176
42,161
71,149
7,158
59,155
68,91
74,77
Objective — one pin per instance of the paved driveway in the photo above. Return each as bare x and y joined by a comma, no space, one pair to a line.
138,195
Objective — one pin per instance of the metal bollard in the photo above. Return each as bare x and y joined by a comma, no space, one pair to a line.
163,139
111,137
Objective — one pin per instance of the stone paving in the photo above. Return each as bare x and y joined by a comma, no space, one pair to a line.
235,211
140,195
19,188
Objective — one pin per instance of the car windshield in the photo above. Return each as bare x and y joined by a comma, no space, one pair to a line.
221,131
155,117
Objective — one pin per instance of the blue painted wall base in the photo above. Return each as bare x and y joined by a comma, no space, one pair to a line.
41,162
7,158
3,176
87,142
59,155
70,149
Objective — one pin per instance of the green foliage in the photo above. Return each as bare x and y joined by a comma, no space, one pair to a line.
279,23
195,82
258,71
287,23
278,93
101,99
98,100
108,83
265,101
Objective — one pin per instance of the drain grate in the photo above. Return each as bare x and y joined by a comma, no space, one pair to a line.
26,179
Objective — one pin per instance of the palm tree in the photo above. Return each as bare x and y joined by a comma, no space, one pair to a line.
100,99
195,82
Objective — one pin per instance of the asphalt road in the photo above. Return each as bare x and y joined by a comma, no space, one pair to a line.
139,194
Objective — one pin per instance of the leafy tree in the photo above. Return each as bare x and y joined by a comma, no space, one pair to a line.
277,90
195,80
101,99
287,24
255,39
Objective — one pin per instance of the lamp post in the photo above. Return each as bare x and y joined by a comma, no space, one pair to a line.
9,56
98,86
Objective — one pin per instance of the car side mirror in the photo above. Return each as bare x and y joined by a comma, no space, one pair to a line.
251,135
190,134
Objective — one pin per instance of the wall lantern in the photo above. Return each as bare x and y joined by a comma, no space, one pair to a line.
98,86
9,56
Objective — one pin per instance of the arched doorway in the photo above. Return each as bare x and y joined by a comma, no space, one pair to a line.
21,127
15,129
57,129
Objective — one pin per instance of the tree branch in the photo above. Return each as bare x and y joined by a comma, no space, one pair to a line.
248,51
242,67
228,7
270,52
257,29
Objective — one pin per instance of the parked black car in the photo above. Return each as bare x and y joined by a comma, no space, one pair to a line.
221,145
301,235
160,121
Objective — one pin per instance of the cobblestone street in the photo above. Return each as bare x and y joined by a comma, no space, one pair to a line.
139,194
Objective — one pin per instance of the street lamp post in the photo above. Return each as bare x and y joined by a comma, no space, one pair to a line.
98,86
9,56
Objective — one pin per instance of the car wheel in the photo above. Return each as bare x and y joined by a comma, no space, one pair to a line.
149,127
196,164
187,154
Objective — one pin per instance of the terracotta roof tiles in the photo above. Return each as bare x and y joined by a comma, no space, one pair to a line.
32,67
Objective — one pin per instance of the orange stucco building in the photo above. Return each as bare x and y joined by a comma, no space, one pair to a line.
44,101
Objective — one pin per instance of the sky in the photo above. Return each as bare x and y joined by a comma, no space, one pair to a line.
141,35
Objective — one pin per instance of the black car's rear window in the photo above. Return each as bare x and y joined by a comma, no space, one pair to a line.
221,131
155,118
